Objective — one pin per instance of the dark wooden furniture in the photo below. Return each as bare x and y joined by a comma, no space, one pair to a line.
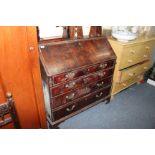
78,74
8,112
95,31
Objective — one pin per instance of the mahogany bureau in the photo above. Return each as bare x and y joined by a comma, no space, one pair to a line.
77,73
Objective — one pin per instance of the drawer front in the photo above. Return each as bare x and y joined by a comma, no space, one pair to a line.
68,97
99,75
76,84
87,100
134,71
100,66
117,87
135,54
66,87
85,71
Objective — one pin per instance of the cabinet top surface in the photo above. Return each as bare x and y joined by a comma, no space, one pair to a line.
64,56
139,40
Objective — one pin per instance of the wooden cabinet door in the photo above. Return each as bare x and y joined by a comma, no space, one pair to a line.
20,73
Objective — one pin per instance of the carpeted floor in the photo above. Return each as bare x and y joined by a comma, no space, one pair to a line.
133,108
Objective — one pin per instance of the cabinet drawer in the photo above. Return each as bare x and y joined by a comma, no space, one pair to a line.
81,72
77,84
68,97
68,86
135,54
132,72
100,66
99,75
83,102
117,87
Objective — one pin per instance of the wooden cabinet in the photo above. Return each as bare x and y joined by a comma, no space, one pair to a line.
20,74
77,74
133,60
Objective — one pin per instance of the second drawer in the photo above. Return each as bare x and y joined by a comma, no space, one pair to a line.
132,72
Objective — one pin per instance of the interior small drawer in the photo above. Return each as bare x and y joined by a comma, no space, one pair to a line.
134,54
132,72
79,104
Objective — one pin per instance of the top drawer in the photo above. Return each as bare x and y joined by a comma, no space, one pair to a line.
134,54
81,72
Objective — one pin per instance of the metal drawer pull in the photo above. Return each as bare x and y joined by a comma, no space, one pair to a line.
103,65
70,109
70,75
99,95
70,96
70,85
102,74
130,61
131,74
100,84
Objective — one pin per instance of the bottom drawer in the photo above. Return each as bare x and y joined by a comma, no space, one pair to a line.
79,104
117,87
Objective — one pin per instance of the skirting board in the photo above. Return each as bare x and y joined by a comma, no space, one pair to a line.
151,82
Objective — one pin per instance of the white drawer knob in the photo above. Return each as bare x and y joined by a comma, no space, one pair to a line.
31,48
145,56
147,47
124,84
132,51
145,68
131,74
130,61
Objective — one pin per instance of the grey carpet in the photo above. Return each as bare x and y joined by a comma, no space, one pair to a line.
133,108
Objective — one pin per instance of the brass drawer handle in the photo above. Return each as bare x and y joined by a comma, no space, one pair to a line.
70,75
99,95
70,85
103,65
70,109
100,84
70,96
101,74
130,61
